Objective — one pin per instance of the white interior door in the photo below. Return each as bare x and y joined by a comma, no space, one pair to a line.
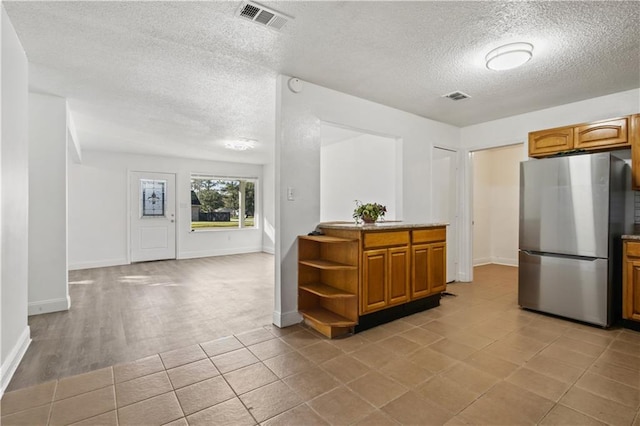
445,202
152,216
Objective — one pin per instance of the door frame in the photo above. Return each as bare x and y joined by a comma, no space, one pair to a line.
457,273
467,219
128,209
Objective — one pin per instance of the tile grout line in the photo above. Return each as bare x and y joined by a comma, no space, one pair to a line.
173,389
231,387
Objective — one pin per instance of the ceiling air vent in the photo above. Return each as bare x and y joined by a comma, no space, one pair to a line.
456,96
262,15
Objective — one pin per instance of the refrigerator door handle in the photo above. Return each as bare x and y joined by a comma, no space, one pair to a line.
562,256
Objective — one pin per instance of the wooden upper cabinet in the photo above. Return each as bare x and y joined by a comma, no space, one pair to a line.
634,140
609,133
615,133
550,141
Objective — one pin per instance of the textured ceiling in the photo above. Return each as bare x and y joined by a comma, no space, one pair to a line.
180,78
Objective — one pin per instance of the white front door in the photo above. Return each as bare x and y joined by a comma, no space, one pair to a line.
445,202
152,216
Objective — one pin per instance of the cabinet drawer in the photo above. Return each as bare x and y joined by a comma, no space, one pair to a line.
601,134
384,239
632,249
429,235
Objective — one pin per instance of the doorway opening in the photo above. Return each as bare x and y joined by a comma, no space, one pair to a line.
445,206
495,211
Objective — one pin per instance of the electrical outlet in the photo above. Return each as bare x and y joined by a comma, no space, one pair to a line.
290,194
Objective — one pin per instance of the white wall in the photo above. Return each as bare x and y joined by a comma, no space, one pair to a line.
268,208
98,209
496,177
298,120
513,130
48,283
360,168
481,207
14,211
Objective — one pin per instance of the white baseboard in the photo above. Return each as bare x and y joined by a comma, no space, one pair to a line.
495,260
286,319
505,261
10,365
47,306
482,261
97,264
218,252
463,278
269,249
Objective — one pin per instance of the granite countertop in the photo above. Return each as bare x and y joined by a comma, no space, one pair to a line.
635,235
379,225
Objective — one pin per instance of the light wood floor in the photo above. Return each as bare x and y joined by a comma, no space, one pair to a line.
124,313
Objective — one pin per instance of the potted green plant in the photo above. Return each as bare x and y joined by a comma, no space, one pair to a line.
369,212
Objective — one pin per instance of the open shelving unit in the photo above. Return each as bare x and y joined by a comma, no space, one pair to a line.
328,283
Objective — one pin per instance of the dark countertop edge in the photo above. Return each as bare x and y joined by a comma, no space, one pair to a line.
379,225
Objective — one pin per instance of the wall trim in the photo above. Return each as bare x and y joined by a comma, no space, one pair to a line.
218,252
482,261
286,319
10,365
495,260
98,264
47,306
269,249
505,261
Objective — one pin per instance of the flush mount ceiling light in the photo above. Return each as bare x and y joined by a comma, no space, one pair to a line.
509,56
240,144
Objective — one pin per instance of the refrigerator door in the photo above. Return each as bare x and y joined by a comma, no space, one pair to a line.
564,285
564,205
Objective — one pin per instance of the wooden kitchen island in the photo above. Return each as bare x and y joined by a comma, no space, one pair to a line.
354,277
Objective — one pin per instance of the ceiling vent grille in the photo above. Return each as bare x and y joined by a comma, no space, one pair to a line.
456,96
262,15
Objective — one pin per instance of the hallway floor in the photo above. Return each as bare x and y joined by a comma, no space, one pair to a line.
123,313
476,359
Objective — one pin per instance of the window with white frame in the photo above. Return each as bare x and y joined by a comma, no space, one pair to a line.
222,202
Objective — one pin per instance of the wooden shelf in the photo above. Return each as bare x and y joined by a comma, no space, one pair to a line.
326,264
326,239
326,317
324,290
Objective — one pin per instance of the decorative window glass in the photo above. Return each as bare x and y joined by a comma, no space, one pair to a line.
153,197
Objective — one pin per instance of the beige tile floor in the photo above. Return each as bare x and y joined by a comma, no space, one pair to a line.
476,359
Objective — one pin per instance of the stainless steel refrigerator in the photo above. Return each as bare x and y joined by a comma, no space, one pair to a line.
571,219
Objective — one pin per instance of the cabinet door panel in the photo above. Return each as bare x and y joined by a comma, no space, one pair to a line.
550,141
420,271
438,267
374,278
398,278
631,291
601,134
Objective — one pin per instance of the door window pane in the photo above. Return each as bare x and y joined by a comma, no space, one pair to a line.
153,197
